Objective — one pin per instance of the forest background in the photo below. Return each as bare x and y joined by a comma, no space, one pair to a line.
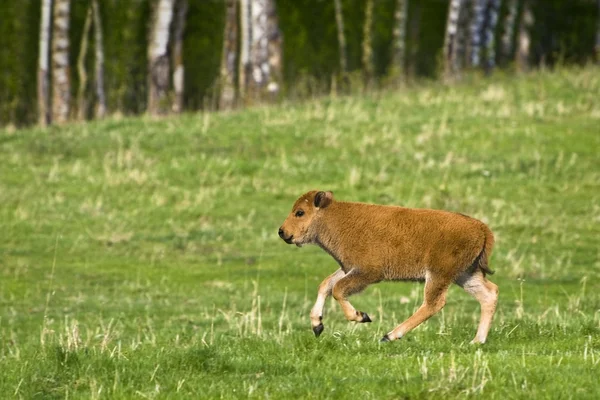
308,47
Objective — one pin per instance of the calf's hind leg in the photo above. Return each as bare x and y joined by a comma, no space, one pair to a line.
325,288
353,282
486,293
435,299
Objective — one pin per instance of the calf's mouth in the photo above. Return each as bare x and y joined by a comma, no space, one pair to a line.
288,240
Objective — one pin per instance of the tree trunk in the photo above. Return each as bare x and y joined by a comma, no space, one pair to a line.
158,59
339,20
399,33
81,70
228,58
476,30
259,50
451,65
245,68
509,29
491,20
598,36
43,81
415,31
275,38
524,42
61,81
463,36
99,47
178,69
367,44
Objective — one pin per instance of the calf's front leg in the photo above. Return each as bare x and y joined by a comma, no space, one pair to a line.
353,282
325,289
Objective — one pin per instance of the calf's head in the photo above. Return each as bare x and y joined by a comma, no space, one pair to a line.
298,227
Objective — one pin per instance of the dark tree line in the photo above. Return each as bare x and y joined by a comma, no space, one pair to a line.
78,59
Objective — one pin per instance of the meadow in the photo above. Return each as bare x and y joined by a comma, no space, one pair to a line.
139,258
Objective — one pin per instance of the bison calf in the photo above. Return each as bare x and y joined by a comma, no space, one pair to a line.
374,243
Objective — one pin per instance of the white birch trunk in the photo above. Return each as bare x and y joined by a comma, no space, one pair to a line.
61,81
367,44
43,92
524,40
597,47
415,32
491,20
509,30
399,33
451,65
81,70
99,47
259,48
158,60
477,21
463,36
275,48
339,20
228,58
178,70
245,68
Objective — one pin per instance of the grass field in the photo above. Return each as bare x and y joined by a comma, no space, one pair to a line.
140,258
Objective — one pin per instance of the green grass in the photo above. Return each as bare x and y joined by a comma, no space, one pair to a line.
140,258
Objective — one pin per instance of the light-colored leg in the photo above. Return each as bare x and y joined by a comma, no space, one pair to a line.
325,288
352,283
435,299
486,293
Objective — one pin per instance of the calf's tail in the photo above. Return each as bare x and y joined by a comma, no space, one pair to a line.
481,261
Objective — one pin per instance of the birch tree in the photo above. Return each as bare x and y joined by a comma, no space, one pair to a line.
415,31
275,48
451,64
158,59
264,49
43,65
476,28
228,58
399,37
81,69
367,44
178,68
509,29
598,35
99,68
491,20
524,38
463,36
339,21
245,68
259,50
61,81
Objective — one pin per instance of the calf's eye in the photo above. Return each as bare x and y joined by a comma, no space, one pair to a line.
299,213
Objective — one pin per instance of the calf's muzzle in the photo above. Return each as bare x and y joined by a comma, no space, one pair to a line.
288,240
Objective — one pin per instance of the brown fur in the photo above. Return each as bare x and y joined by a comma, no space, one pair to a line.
374,243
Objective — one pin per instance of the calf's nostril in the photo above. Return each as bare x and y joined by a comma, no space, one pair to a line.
280,233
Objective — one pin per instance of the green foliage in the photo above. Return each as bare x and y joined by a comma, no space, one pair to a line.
306,39
18,60
203,45
126,26
565,31
140,258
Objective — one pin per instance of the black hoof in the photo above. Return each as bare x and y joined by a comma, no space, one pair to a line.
318,330
365,317
385,339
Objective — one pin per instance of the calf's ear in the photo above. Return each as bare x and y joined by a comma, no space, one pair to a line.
323,199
